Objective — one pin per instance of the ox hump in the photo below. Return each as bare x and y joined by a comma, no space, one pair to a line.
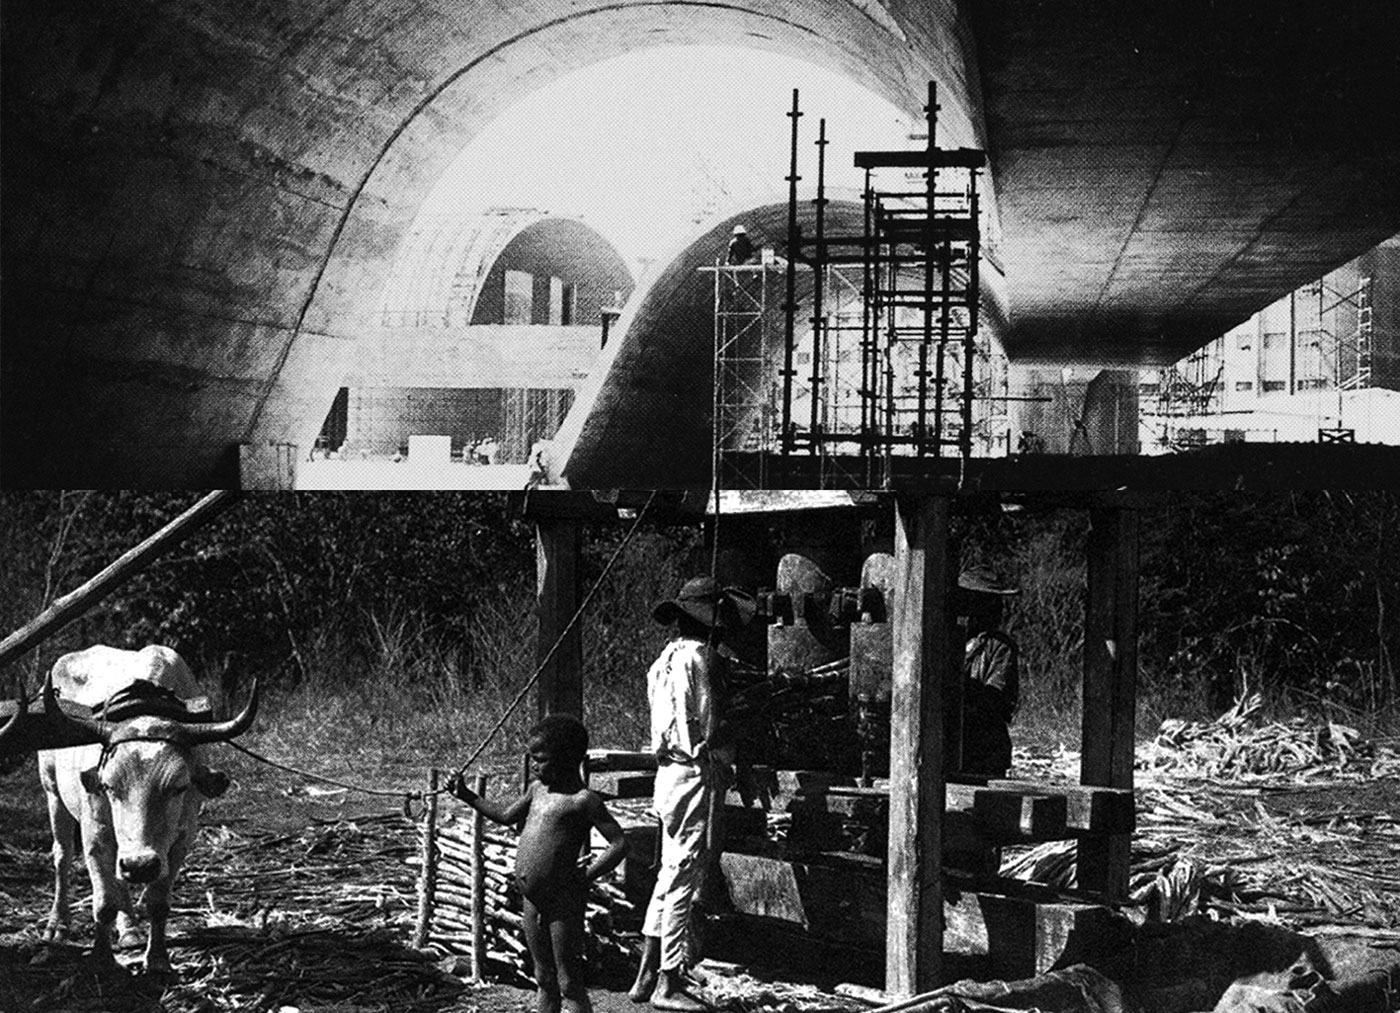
92,675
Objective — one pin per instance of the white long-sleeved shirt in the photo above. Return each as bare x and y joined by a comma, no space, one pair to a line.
682,704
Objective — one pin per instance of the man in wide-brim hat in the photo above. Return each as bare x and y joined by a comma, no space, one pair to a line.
992,687
684,727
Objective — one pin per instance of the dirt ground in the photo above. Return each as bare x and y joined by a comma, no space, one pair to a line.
297,897
301,896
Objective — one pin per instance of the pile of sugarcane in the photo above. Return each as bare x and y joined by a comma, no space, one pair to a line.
1243,744
799,718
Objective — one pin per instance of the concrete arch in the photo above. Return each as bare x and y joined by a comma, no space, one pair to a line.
443,324
645,414
202,207
449,269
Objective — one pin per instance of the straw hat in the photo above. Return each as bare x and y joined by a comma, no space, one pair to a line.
706,602
981,580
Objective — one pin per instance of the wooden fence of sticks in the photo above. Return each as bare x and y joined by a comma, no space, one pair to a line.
469,905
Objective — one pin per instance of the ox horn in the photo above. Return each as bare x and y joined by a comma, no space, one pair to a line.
221,731
91,730
21,708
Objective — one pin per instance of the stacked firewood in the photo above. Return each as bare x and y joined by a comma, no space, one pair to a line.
613,920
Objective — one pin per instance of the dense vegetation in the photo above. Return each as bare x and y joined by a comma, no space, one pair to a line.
418,609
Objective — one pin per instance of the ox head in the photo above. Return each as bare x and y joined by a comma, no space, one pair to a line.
153,781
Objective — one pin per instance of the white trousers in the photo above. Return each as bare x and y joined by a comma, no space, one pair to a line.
682,801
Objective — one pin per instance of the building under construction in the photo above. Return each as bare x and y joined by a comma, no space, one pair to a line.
489,324
1322,363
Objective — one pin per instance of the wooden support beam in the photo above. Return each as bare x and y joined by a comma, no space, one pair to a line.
557,551
914,906
1110,685
1022,933
1005,817
126,566
1087,809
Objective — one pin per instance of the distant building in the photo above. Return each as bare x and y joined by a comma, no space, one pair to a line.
1322,362
548,275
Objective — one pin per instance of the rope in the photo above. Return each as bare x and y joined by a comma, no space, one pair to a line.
395,793
578,614
410,796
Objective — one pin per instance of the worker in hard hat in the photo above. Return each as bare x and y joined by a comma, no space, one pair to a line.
741,249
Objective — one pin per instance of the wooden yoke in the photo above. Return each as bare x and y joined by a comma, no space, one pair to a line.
1110,685
914,913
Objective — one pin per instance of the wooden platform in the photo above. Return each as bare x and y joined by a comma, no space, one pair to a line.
839,897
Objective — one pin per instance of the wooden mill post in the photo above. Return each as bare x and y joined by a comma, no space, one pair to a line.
914,914
1110,683
557,552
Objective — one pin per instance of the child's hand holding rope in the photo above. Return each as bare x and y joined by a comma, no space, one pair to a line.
457,788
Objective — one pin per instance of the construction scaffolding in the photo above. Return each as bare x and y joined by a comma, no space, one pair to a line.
744,364
1186,390
1365,335
888,361
1298,358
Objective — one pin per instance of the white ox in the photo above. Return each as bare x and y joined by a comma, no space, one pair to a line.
135,792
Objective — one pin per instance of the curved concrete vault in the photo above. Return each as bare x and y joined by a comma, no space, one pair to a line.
647,408
202,204
444,322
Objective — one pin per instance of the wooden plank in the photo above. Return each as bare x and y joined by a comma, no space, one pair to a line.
871,651
1023,938
126,566
557,553
623,784
764,887
920,636
1008,816
620,759
1110,685
1002,815
1088,808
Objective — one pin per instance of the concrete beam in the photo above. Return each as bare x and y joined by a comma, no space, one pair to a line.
480,355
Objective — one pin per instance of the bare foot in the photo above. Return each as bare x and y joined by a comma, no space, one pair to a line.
671,996
546,1002
644,986
580,1003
